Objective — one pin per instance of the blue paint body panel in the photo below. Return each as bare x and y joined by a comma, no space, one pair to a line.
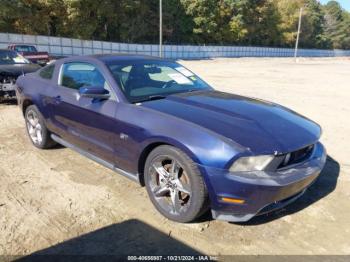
212,127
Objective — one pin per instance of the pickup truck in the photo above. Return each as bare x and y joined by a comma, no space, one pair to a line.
31,53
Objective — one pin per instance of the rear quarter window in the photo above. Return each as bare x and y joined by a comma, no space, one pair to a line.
47,72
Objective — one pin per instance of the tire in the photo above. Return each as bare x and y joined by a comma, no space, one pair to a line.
175,185
36,129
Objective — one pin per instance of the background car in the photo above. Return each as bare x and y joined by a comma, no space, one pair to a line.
156,122
31,53
12,65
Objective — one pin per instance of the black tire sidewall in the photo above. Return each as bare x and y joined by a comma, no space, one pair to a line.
198,189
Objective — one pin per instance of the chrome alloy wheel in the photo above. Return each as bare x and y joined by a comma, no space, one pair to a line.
34,127
170,185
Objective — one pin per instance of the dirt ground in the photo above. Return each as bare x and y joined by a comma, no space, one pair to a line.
56,201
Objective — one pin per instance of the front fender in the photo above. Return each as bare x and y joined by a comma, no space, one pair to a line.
168,141
203,146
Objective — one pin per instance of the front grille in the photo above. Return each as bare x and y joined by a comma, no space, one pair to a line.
7,79
296,157
280,204
7,82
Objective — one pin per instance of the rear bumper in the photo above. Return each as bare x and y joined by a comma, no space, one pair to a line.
261,191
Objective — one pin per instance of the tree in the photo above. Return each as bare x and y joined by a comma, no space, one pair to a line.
225,22
337,25
177,25
234,21
344,32
312,31
205,16
90,19
261,20
312,34
47,17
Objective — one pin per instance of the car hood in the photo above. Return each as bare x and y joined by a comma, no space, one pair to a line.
259,126
18,69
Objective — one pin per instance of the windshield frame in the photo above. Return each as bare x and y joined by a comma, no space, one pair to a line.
158,62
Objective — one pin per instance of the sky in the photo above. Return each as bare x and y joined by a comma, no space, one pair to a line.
344,3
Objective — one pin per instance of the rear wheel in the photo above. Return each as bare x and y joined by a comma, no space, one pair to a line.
175,185
36,129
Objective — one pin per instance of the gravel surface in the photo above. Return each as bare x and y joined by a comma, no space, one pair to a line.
57,201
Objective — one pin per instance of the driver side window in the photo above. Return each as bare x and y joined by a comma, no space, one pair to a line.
76,75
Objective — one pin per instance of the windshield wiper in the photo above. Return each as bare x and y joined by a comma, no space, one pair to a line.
150,98
188,91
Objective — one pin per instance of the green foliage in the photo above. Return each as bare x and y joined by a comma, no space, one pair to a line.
234,21
47,17
226,22
337,25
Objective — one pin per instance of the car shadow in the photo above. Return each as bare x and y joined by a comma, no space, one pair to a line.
114,242
324,185
57,147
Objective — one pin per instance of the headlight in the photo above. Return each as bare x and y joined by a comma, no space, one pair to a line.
251,163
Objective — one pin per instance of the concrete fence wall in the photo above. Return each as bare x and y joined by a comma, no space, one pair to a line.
62,46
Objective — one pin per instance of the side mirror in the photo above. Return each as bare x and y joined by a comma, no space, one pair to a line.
94,92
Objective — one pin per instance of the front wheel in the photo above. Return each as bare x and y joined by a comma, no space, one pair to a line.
36,129
175,185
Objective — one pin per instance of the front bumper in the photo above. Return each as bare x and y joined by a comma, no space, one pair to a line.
7,90
42,62
261,191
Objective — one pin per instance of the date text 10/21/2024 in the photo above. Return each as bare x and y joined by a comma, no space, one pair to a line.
173,258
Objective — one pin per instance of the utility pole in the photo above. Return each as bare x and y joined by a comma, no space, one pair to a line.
160,29
297,41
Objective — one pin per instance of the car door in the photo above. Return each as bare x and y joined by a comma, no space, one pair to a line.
85,122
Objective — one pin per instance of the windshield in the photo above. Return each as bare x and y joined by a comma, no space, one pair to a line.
25,48
144,80
10,57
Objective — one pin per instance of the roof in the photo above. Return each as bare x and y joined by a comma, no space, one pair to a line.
121,56
20,44
110,58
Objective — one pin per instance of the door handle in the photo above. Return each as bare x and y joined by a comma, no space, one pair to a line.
57,100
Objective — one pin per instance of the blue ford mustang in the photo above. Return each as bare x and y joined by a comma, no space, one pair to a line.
159,124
